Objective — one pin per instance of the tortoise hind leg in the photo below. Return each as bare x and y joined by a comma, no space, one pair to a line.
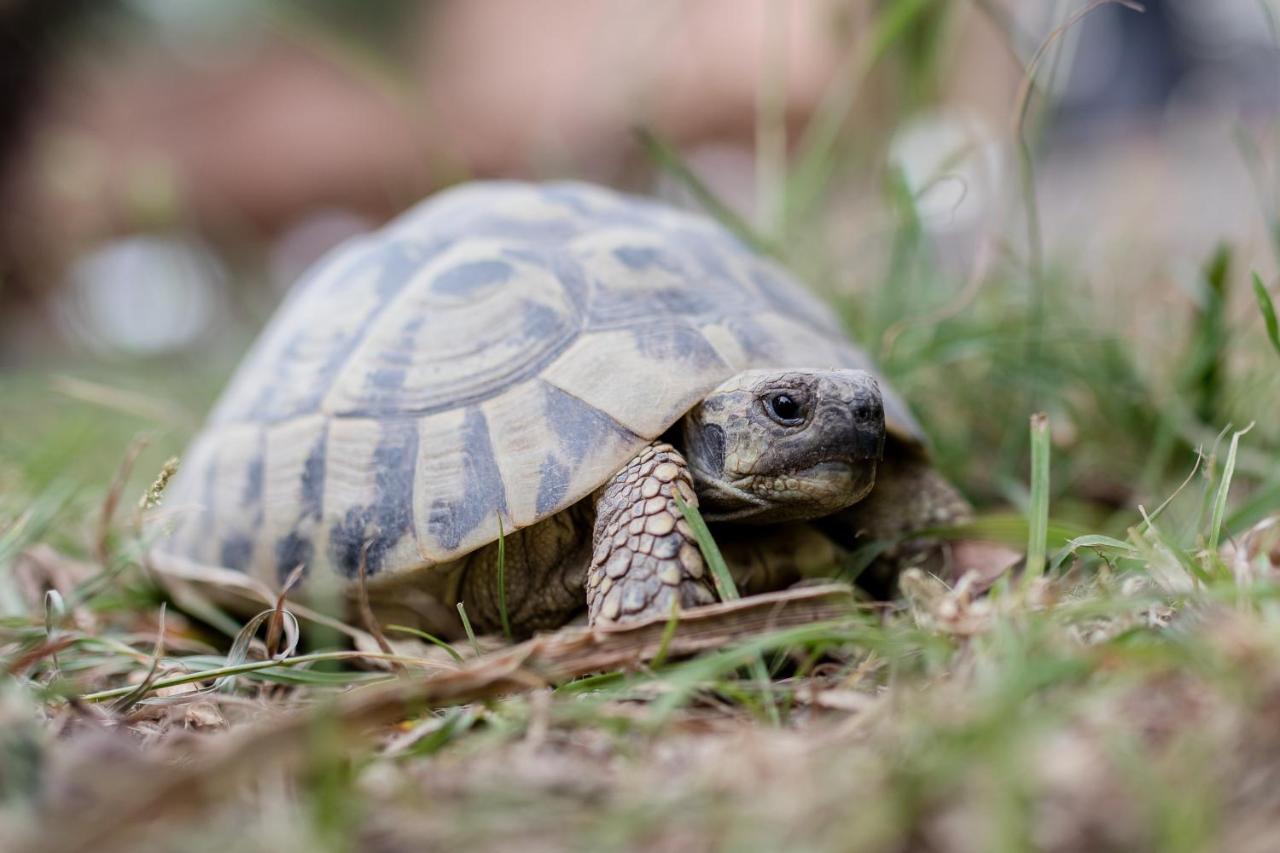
543,569
644,556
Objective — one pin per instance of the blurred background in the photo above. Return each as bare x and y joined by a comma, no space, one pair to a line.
1015,204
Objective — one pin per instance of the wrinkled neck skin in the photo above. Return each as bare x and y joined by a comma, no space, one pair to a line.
773,446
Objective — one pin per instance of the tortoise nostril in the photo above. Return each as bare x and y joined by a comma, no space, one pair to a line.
867,410
868,426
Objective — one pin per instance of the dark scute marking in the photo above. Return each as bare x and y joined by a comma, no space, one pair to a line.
697,295
236,551
546,332
678,343
693,304
251,496
553,484
483,494
644,257
580,427
560,263
465,279
253,483
292,551
540,321
384,521
384,382
754,340
613,309
313,469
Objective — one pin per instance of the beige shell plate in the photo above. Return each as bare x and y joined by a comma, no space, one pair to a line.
494,354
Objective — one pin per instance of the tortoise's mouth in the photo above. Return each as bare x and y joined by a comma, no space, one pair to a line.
830,485
812,492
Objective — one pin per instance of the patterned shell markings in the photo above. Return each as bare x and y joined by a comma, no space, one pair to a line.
497,351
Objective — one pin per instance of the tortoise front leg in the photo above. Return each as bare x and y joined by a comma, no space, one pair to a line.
644,555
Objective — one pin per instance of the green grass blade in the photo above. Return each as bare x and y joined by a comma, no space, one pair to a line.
252,666
1038,509
1095,541
1204,375
1224,487
466,626
430,638
298,675
720,575
673,621
1268,309
728,591
502,581
1011,528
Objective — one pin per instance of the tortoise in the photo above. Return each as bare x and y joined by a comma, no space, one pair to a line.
548,367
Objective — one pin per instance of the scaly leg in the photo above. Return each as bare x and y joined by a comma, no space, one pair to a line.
644,555
543,571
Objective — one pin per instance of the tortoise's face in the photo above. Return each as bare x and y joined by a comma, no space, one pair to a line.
783,445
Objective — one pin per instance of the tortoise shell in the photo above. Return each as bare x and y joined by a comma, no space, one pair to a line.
491,356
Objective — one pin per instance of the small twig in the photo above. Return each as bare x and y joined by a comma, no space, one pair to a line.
102,542
1022,101
276,625
24,661
366,611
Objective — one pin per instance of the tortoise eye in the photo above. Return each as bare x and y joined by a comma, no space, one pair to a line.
784,409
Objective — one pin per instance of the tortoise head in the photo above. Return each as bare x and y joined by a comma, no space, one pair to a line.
771,445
